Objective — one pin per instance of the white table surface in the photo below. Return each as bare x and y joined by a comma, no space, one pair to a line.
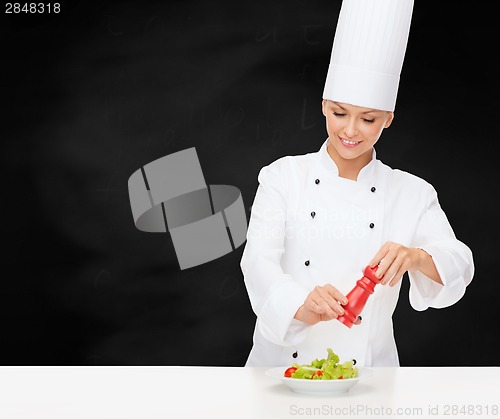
233,392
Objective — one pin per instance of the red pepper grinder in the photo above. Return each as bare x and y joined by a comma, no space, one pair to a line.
356,299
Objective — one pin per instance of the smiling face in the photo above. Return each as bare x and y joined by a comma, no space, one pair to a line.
352,132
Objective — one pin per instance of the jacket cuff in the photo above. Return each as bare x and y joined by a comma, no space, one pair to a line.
277,315
425,293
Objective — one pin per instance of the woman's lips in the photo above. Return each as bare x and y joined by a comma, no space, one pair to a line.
349,143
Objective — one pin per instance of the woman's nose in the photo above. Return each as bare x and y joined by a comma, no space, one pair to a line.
351,129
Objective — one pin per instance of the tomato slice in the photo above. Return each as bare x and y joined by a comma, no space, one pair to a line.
289,371
318,373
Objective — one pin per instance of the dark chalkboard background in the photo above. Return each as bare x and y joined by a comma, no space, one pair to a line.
93,93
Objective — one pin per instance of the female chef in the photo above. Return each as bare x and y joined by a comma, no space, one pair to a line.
319,219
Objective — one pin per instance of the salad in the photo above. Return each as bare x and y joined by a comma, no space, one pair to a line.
324,369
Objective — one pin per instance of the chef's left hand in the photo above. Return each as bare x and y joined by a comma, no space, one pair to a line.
394,260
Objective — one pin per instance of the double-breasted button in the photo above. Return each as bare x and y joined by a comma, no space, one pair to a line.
306,263
372,225
316,181
295,355
313,214
373,189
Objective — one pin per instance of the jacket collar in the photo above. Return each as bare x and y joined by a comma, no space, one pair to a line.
367,173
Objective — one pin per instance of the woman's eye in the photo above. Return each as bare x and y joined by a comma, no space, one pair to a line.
370,121
338,114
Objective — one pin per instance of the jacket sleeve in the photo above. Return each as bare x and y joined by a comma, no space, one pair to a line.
274,295
453,260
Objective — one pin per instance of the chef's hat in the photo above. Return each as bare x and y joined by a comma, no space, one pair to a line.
368,52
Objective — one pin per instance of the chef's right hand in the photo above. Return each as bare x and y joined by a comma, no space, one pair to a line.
323,303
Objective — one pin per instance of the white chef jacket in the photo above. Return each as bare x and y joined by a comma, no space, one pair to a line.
310,227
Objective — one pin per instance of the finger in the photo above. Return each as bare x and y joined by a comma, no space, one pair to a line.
320,306
384,269
310,304
358,320
335,293
392,271
397,277
331,299
313,303
388,276
382,252
335,298
335,306
328,317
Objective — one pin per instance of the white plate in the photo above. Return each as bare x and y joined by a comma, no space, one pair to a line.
321,387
